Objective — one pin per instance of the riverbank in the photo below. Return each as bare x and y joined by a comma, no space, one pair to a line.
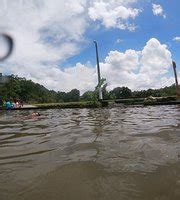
87,104
150,101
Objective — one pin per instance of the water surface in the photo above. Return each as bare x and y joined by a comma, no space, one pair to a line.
111,153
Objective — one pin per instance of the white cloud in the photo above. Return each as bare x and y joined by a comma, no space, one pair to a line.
135,69
44,31
158,10
114,14
139,69
48,33
127,61
177,39
119,40
156,59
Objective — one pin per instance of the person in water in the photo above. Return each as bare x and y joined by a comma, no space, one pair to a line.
9,105
35,114
32,115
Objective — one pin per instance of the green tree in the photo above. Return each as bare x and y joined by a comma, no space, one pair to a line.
89,96
73,96
121,92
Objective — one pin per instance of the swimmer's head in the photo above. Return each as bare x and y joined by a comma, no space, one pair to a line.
35,114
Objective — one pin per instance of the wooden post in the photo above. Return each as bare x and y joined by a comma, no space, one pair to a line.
176,80
98,70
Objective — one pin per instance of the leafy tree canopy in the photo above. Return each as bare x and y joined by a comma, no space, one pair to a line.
14,87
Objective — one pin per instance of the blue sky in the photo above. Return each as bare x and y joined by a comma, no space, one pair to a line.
54,42
149,26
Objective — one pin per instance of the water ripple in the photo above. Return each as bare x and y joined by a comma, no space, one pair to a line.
122,140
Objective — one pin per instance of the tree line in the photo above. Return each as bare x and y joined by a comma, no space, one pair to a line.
14,87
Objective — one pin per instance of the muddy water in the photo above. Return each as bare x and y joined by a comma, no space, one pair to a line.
117,153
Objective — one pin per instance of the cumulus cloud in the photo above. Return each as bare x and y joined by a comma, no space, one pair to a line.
44,31
158,10
48,33
177,39
156,58
114,14
139,69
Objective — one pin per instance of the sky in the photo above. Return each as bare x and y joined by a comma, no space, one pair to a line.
137,41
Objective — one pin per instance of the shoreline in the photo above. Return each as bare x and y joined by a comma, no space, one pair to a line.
98,104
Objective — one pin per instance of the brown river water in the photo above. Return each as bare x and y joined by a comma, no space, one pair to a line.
91,154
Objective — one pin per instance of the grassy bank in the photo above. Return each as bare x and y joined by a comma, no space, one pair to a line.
96,104
88,104
171,100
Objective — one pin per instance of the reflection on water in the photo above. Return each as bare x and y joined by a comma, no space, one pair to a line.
117,153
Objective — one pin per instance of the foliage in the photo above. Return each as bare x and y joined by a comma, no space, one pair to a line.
162,92
100,84
121,93
105,93
72,96
30,92
94,95
26,90
89,96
